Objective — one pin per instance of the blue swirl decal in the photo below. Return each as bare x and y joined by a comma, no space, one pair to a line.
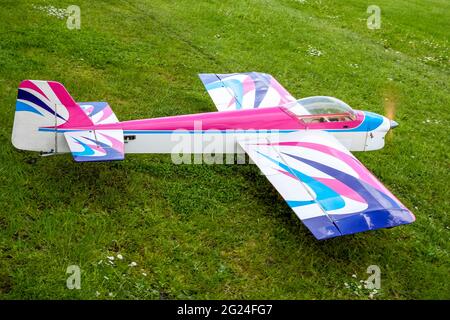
21,106
27,96
325,196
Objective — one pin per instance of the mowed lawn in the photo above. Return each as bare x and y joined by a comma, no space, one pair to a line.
221,231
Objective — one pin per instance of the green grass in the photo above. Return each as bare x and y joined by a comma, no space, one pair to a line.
221,231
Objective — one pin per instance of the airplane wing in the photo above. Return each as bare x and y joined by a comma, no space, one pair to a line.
96,145
235,91
325,185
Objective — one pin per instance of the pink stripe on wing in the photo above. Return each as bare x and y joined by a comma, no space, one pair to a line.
288,174
335,185
363,173
285,96
248,85
341,188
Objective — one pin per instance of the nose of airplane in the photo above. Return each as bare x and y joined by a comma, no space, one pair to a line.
394,124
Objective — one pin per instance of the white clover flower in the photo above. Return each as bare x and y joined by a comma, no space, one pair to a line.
52,11
144,274
314,52
111,258
119,256
132,264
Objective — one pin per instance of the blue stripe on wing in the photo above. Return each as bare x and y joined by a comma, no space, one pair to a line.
325,196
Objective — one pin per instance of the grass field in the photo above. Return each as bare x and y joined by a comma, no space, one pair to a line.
221,231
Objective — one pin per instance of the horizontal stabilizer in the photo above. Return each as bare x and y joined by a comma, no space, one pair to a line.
99,112
96,145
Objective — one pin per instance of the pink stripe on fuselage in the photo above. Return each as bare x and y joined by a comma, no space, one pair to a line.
253,119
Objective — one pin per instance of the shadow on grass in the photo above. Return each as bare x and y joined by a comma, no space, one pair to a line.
108,187
58,181
334,248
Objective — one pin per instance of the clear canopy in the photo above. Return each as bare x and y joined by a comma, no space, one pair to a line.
320,105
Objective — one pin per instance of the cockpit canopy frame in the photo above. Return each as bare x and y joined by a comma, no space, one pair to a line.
322,109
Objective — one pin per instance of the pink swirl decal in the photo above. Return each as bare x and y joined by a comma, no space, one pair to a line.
27,84
106,113
363,173
115,144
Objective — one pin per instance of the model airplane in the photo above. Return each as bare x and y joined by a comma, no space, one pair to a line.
302,146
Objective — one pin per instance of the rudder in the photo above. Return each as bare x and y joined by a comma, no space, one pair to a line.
41,107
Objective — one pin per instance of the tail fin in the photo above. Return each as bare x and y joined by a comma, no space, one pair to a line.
41,107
